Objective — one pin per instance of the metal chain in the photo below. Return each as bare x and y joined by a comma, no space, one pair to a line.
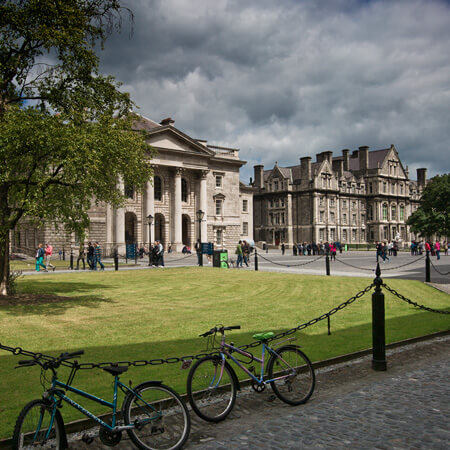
407,300
439,272
384,268
351,265
290,265
176,359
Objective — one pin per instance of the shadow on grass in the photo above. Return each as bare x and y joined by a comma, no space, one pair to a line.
315,343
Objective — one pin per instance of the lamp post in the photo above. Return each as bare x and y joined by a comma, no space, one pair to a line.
200,215
150,222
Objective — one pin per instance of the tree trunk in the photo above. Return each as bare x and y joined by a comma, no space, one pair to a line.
4,262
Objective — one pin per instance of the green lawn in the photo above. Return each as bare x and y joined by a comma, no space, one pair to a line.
130,315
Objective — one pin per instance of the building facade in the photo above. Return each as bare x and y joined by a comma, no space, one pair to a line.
189,176
356,198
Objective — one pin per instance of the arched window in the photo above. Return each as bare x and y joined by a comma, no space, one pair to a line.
158,188
184,190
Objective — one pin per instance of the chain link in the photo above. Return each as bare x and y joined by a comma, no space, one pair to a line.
290,265
384,268
407,300
439,272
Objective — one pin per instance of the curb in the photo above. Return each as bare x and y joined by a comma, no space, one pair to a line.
85,424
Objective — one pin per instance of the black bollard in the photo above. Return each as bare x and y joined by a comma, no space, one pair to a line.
71,259
256,260
427,268
378,325
327,264
64,254
150,262
116,259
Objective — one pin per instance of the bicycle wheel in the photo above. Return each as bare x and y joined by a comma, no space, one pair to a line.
34,428
211,393
162,419
299,379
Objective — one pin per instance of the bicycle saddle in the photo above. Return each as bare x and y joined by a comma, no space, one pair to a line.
115,370
263,336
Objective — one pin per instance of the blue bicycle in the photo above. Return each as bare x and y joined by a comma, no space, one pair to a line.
153,415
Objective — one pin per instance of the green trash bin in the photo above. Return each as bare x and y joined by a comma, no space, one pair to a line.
220,259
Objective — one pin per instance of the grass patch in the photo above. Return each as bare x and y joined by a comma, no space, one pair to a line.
131,315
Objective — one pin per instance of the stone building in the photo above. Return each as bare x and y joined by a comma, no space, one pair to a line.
356,198
189,175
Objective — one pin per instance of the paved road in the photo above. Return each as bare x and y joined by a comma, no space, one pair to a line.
353,406
354,263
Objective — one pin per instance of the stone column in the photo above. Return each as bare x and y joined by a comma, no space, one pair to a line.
109,228
288,218
119,220
203,203
149,209
177,243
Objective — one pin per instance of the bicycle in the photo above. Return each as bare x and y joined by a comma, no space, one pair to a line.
153,415
212,383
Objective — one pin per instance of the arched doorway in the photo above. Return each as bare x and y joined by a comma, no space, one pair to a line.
186,230
130,228
159,228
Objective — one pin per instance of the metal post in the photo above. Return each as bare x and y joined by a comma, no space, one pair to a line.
256,259
378,325
116,259
135,253
427,268
200,237
64,254
327,264
71,259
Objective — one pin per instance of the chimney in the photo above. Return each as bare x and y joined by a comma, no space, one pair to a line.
305,168
338,167
364,158
167,121
324,156
421,177
345,158
259,175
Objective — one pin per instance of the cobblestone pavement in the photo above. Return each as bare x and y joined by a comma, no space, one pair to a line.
406,407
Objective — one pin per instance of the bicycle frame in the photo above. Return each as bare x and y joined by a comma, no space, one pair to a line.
226,350
54,391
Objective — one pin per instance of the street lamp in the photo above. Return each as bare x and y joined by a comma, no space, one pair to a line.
150,222
200,215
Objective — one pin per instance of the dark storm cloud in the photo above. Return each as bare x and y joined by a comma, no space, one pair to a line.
284,79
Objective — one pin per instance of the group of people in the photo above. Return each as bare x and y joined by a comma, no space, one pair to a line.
93,256
242,252
418,248
313,248
44,254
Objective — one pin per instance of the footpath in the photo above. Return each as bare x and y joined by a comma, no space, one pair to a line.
406,407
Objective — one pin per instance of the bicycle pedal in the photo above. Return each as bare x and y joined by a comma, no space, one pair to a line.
87,439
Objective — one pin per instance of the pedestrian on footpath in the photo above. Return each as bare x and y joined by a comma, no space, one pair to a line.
437,248
283,248
160,254
48,256
198,249
238,252
40,253
91,256
81,257
98,256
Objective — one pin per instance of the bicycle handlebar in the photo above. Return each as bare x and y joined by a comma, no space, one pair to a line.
220,330
50,364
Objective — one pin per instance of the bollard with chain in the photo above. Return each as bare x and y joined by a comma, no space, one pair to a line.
327,264
427,268
116,259
378,325
256,259
71,259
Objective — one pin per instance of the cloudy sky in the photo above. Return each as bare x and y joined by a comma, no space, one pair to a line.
282,79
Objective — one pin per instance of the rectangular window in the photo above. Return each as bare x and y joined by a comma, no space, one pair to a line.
322,234
384,186
218,181
354,234
219,236
402,212
321,216
244,205
344,235
332,234
370,188
344,219
219,205
320,201
282,202
344,203
332,217
282,217
245,228
363,219
353,205
331,201
275,185
354,219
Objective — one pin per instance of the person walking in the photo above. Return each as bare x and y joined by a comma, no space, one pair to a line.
198,250
91,256
333,251
245,252
238,252
48,256
81,257
160,254
40,253
98,256
283,248
437,248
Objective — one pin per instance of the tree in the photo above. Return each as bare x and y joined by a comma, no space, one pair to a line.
66,133
433,214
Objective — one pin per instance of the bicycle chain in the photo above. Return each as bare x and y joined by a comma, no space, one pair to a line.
407,300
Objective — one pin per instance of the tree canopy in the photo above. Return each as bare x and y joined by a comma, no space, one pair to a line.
66,133
433,214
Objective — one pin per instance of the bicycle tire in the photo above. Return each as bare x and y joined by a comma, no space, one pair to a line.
211,403
168,418
298,388
32,426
